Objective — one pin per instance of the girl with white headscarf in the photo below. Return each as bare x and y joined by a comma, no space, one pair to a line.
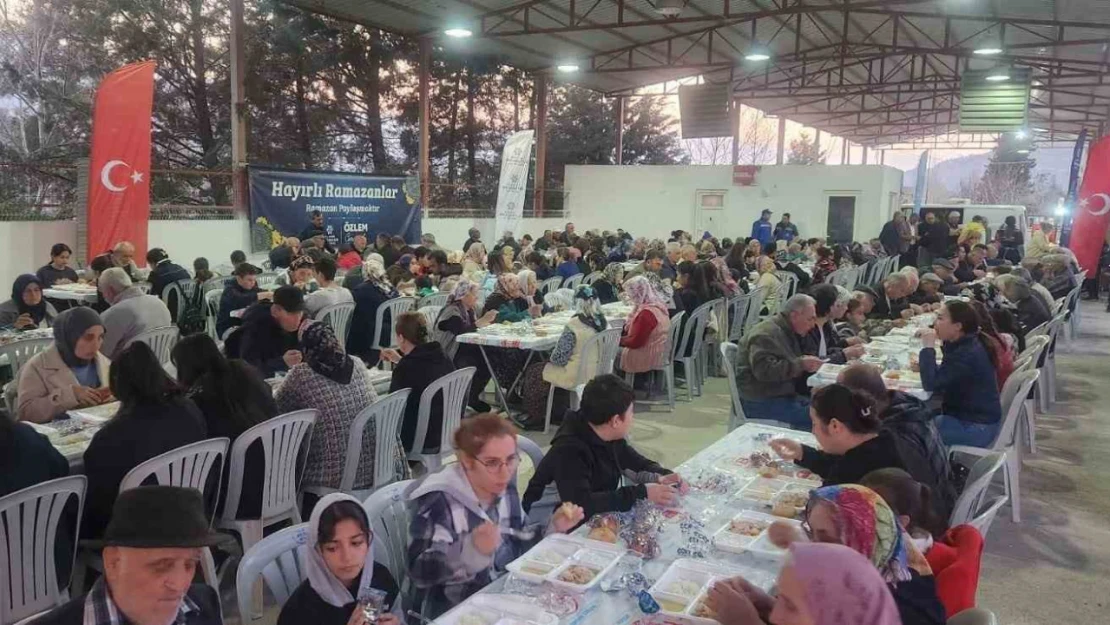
338,559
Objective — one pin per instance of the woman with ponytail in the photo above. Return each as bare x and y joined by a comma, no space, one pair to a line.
847,426
1002,353
419,362
970,412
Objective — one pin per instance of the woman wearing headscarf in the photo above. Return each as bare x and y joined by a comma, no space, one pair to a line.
858,518
510,304
339,387
474,263
530,286
820,584
607,287
374,291
27,309
300,274
644,344
561,371
71,374
507,255
338,561
458,317
723,279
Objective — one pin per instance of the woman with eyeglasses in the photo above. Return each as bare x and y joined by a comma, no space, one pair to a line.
857,517
467,522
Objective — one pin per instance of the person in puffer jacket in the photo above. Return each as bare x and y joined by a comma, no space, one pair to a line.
911,422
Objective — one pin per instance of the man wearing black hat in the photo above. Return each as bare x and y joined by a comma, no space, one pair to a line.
269,337
239,294
152,547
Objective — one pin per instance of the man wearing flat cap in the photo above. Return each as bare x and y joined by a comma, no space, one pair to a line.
152,549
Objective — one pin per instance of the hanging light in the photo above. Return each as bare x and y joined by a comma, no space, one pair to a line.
1023,151
758,53
567,68
999,74
459,33
988,49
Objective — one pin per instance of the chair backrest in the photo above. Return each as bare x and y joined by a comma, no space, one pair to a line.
573,281
187,466
438,299
833,276
386,414
277,560
267,278
978,481
454,387
218,282
395,306
160,340
29,520
738,310
281,438
755,306
789,284
212,309
1034,345
673,338
592,277
695,328
720,312
601,349
431,313
729,353
19,352
1012,398
387,510
550,284
338,317
530,449
985,519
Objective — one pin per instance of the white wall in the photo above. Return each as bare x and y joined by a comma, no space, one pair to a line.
652,201
25,246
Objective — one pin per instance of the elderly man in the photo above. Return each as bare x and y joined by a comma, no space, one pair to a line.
282,255
122,255
892,301
771,362
568,231
670,263
131,311
910,421
428,240
945,270
473,236
152,547
928,292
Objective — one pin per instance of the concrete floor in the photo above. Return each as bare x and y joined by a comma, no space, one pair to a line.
1052,567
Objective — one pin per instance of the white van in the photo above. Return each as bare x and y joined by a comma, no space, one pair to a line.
995,214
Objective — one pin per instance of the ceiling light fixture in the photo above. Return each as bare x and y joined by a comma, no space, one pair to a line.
998,74
987,50
458,33
758,53
567,68
669,8
1023,151
1021,134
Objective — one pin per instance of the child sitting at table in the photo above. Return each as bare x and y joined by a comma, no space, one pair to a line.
589,455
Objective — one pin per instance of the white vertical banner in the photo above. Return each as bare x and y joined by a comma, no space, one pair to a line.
515,160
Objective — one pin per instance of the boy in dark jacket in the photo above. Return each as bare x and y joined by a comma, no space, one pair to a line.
589,455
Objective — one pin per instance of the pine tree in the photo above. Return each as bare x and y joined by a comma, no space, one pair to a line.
1007,178
805,152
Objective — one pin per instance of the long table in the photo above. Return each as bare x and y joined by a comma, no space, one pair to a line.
712,502
534,335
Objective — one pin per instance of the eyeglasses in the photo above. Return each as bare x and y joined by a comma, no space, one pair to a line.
496,464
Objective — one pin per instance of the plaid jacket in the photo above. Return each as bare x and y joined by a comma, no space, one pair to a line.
443,563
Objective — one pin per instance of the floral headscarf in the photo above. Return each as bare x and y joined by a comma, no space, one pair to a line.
477,253
868,526
841,586
462,288
527,279
303,261
373,271
724,276
643,295
508,285
614,274
324,354
588,308
665,290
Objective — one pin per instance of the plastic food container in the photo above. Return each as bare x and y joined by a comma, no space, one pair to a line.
490,609
571,562
682,589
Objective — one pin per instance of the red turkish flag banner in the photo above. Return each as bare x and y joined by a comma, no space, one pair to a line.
119,168
1092,212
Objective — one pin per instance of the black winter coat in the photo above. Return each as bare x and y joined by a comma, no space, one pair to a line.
877,453
419,368
910,422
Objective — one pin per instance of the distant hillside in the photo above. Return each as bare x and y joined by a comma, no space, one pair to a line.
949,173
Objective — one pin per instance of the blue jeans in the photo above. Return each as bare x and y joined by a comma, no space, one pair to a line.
793,411
956,432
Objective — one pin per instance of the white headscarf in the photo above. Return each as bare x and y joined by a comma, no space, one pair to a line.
320,577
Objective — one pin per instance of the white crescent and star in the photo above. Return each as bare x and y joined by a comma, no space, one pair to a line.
106,175
1086,202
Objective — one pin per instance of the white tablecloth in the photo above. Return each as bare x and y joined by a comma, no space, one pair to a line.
540,334
72,292
715,507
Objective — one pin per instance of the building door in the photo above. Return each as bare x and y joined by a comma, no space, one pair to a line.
842,218
711,212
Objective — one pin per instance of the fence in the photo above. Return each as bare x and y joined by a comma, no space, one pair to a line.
480,201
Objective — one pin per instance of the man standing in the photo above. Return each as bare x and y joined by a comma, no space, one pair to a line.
152,547
762,230
785,230
771,361
932,241
132,312
473,236
316,223
568,232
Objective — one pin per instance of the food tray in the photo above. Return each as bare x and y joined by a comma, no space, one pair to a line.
684,585
763,491
493,609
555,554
726,540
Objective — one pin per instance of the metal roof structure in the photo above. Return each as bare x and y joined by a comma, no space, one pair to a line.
878,72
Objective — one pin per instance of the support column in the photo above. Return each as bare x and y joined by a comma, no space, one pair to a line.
423,168
780,153
865,155
817,145
882,157
620,130
734,107
238,109
843,151
541,144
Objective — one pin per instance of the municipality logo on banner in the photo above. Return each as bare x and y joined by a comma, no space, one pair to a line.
515,159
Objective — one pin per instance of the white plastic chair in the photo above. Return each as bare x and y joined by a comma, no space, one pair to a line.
573,281
387,510
789,285
541,509
283,444
438,299
395,307
160,340
1054,328
187,466
550,285
29,520
212,310
973,616
267,279
1013,395
1025,361
975,491
19,352
592,277
276,559
755,307
338,318
691,340
729,353
386,414
719,310
431,313
600,350
179,293
454,386
738,309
